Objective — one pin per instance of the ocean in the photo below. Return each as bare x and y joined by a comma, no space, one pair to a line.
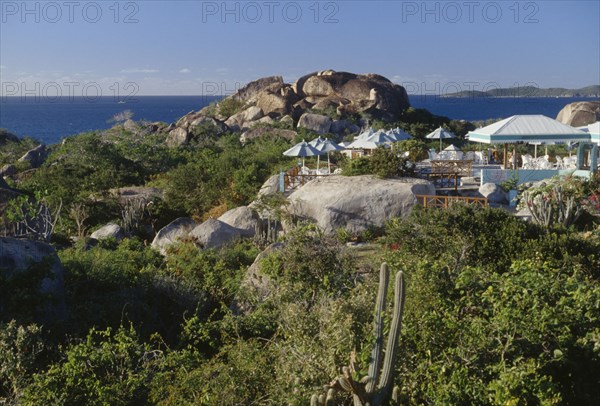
50,120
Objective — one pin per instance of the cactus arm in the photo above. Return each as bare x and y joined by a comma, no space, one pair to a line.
377,350
387,374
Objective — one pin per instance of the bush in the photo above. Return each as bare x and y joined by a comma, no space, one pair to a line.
216,272
328,272
230,106
494,310
112,282
107,368
20,348
384,163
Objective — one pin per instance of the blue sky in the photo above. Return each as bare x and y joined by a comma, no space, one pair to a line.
208,47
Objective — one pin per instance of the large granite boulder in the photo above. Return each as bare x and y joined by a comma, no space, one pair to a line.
343,127
356,202
580,113
318,86
110,230
178,136
250,92
36,156
315,122
270,187
214,234
494,193
200,120
172,233
242,218
18,256
274,103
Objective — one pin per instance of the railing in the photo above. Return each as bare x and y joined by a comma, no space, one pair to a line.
293,181
293,178
445,201
447,173
463,167
444,180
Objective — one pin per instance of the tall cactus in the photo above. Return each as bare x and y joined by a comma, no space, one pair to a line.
377,387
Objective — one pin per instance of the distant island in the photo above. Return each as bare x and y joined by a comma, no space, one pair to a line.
531,91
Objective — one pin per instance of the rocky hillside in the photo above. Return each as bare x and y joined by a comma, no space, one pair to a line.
325,102
580,113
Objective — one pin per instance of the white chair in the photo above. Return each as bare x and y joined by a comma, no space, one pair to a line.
432,155
481,158
544,163
444,155
528,162
559,163
570,162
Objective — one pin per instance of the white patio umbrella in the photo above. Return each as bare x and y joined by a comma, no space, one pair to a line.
315,143
454,151
398,134
381,137
302,149
366,134
441,134
327,146
371,142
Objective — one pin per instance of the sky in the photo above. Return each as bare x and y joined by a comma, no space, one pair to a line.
147,47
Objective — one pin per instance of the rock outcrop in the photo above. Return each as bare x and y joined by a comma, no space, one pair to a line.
110,230
243,219
269,100
36,156
178,136
5,137
356,202
17,256
315,122
580,113
172,233
494,193
214,234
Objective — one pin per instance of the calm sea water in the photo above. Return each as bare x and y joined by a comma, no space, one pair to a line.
51,120
486,108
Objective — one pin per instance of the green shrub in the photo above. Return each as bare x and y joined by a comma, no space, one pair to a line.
498,311
106,368
230,106
20,348
216,272
384,163
114,282
328,272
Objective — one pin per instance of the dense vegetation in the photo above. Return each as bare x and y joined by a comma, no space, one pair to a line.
498,311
